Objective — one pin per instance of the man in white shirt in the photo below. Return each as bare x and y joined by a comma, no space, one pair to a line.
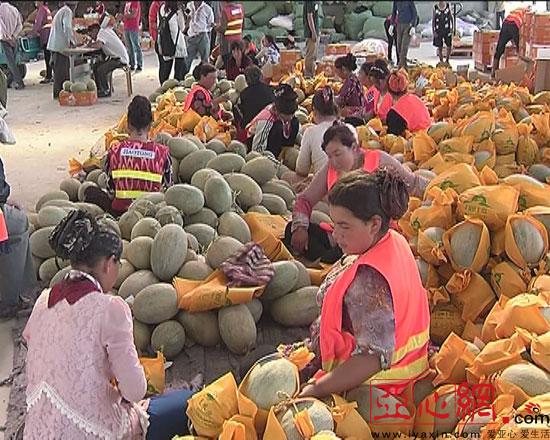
61,37
10,27
200,19
116,56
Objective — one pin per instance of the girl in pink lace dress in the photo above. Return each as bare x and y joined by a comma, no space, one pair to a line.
80,343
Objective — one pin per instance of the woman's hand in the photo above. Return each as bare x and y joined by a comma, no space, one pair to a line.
310,390
299,240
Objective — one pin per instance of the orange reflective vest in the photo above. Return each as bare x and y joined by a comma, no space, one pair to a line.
370,165
392,257
384,106
414,111
3,228
191,96
234,16
517,16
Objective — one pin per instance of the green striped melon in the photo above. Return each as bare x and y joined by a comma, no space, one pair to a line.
127,222
247,190
136,282
71,187
284,279
188,199
218,195
201,327
194,162
169,338
195,270
204,234
205,216
296,309
139,252
261,169
220,250
156,303
168,252
146,227
227,163
233,225
237,328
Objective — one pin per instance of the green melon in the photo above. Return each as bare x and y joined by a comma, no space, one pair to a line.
540,172
256,309
127,222
108,222
218,195
146,227
49,268
181,147
67,86
93,175
53,195
224,86
39,243
261,169
221,249
274,204
139,252
180,93
227,163
318,217
78,87
163,138
531,379
204,234
194,162
240,83
464,243
71,187
216,146
169,338
319,414
50,216
59,276
296,309
259,209
304,280
192,244
170,84
195,140
252,155
237,328
195,270
188,199
201,327
233,225
281,190
169,215
284,279
126,269
65,204
529,240
136,282
205,216
190,255
155,303
200,178
142,335
168,252
247,190
90,208
145,207
82,190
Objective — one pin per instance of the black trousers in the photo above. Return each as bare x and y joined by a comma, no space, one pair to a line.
391,41
48,61
500,19
319,246
60,72
102,69
165,68
509,32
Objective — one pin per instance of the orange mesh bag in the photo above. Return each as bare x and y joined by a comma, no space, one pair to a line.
451,360
436,163
488,176
503,408
423,145
206,129
508,280
488,330
348,421
459,177
468,245
188,121
522,311
525,241
472,295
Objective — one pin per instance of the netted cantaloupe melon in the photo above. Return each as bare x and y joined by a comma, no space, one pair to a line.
201,327
195,270
169,338
39,242
205,216
127,222
53,195
240,83
319,414
284,279
296,309
108,222
145,207
194,162
238,147
67,86
78,87
156,303
125,270
50,216
49,268
169,215
261,169
90,208
237,328
139,252
216,146
233,225
248,192
71,187
146,227
227,163
142,335
221,249
167,252
530,378
204,234
271,381
200,178
136,282
218,195
187,198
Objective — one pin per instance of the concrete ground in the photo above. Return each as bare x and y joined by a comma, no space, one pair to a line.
48,136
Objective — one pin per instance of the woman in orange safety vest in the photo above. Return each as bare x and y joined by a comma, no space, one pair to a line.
375,319
509,32
200,97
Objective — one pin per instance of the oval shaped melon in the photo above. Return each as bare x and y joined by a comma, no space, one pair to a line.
216,146
192,244
94,210
126,269
218,195
194,162
127,222
195,140
540,172
49,268
59,275
200,178
284,279
319,414
529,240
181,147
142,335
39,242
50,216
304,280
53,195
146,227
252,155
531,379
261,169
259,209
144,206
247,190
220,250
227,163
195,270
169,338
233,225
204,234
93,175
205,216
169,215
238,147
256,309
201,327
465,243
136,282
270,381
156,303
318,217
71,187
274,204
237,328
188,199
138,252
296,309
107,222
281,190
168,252
83,188
240,83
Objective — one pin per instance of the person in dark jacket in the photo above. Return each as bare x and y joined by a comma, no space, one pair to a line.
238,61
256,96
407,18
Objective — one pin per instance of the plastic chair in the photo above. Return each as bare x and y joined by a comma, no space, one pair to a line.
128,74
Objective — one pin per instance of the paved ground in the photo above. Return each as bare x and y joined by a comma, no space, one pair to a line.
48,135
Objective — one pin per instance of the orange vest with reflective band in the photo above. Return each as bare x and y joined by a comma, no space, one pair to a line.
370,165
234,16
191,96
414,111
516,16
3,228
392,257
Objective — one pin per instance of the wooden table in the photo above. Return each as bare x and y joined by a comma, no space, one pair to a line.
76,54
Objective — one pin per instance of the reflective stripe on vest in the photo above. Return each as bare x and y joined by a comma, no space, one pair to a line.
235,18
3,228
191,96
129,194
392,257
370,164
140,175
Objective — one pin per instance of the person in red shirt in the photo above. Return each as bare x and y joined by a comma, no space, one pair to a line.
131,19
153,14
238,61
509,32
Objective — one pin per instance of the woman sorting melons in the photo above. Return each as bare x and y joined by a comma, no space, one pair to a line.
375,318
374,75
344,155
84,378
200,97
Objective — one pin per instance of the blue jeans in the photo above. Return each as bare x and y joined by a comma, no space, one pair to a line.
198,45
134,49
167,415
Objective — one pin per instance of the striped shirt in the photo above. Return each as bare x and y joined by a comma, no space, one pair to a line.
10,21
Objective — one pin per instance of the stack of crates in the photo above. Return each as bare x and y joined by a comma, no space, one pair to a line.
483,54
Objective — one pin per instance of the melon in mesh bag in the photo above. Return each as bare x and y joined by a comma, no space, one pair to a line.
506,134
452,359
523,381
438,412
525,241
468,245
481,126
532,192
462,144
423,145
471,294
492,204
542,214
430,245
